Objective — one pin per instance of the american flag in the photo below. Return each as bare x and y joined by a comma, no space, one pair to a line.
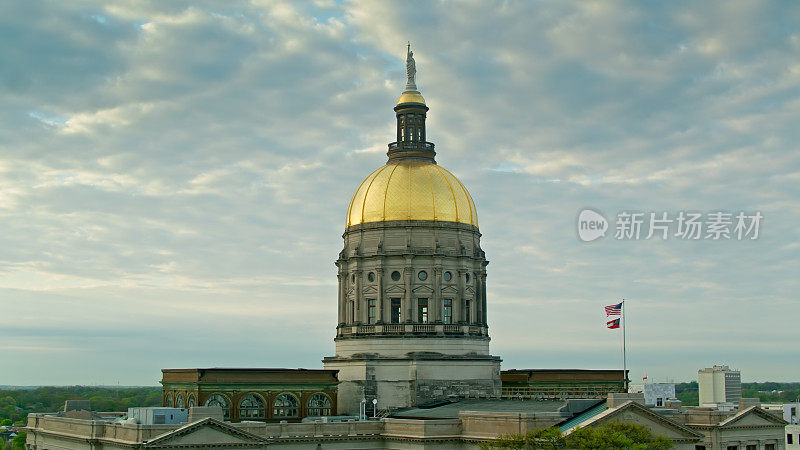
613,323
614,310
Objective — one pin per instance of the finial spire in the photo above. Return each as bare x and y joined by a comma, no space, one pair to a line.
411,111
411,70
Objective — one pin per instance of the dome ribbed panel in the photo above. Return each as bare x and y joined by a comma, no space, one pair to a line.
374,199
470,214
411,190
443,197
356,210
418,197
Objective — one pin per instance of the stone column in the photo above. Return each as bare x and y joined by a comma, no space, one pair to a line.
458,313
435,312
360,301
357,285
342,317
483,298
379,313
409,306
476,304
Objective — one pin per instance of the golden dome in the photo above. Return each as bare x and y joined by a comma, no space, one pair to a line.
411,97
411,190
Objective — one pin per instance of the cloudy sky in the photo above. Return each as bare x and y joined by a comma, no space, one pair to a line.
174,177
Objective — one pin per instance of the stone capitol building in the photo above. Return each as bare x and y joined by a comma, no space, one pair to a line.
412,280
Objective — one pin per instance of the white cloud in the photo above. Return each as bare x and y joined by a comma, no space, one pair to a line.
179,166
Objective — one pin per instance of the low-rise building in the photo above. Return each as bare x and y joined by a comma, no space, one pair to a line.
792,437
269,395
748,429
462,424
158,416
657,394
789,412
698,428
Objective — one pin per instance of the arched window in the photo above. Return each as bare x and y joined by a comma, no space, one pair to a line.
191,402
285,406
179,401
251,407
319,405
222,402
168,401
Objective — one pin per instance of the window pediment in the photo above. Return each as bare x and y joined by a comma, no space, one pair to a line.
370,290
395,289
422,290
449,290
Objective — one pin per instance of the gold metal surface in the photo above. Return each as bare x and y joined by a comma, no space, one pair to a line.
411,97
411,190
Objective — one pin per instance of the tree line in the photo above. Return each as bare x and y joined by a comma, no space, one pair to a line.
768,392
15,404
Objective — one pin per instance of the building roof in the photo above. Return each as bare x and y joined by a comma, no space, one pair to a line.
239,375
452,409
601,412
583,417
231,436
753,410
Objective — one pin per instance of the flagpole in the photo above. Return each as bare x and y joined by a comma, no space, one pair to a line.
624,360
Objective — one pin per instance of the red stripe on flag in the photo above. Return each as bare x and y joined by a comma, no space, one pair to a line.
614,310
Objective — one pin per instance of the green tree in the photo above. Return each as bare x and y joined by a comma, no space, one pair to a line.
541,438
688,393
615,435
19,441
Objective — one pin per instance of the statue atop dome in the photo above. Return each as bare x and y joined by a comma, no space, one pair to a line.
411,70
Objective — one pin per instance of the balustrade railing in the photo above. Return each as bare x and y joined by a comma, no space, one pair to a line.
411,145
412,328
555,391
